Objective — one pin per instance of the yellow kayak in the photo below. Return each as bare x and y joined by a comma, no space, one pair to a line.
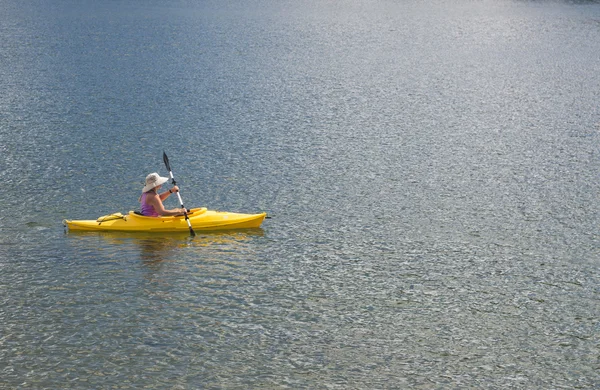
200,218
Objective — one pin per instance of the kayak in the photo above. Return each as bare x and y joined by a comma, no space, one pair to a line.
200,218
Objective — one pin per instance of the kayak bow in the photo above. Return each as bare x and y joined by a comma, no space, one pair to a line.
199,218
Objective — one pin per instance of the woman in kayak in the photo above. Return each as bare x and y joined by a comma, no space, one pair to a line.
152,202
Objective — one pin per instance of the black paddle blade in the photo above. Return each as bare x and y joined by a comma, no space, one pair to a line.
166,160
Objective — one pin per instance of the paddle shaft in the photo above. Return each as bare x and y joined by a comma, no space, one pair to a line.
166,160
176,192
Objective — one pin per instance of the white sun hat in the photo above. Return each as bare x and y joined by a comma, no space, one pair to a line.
154,180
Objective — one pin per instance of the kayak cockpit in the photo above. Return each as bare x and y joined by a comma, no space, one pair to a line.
192,213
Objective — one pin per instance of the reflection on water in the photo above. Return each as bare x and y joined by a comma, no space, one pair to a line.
154,248
163,257
152,251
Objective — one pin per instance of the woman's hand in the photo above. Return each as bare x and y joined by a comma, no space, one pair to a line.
174,189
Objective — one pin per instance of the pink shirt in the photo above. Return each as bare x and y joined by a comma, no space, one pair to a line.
147,209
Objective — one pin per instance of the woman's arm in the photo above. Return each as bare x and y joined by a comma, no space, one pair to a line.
156,201
166,194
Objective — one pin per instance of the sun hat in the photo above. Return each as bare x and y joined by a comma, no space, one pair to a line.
154,180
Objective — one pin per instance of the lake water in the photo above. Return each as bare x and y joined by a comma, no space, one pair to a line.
431,170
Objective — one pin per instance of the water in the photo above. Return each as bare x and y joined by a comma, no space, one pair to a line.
431,171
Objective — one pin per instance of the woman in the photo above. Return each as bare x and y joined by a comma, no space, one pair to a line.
152,201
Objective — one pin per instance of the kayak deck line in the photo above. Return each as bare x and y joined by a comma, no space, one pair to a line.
200,219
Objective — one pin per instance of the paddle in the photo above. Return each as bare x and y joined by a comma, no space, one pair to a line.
166,160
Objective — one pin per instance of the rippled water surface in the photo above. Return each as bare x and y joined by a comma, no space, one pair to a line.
431,171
